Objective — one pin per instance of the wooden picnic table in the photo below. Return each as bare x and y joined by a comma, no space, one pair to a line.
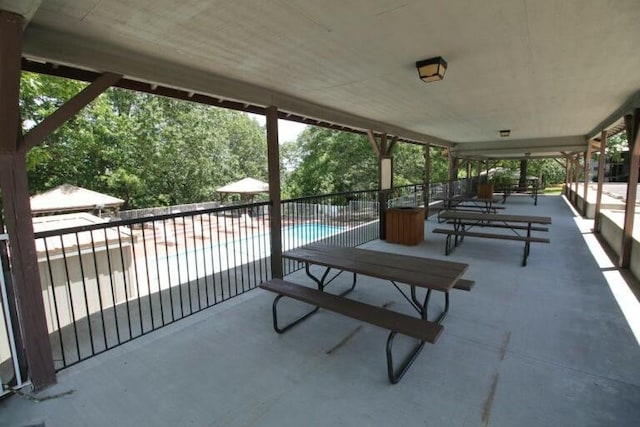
463,222
417,272
472,204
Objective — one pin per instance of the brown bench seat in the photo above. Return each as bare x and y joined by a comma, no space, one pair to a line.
501,225
465,233
378,316
421,329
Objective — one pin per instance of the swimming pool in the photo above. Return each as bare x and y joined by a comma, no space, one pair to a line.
232,252
307,233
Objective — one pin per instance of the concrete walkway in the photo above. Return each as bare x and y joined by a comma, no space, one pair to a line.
544,345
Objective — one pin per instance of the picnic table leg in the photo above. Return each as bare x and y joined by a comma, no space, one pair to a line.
395,375
527,247
322,281
423,306
447,245
274,313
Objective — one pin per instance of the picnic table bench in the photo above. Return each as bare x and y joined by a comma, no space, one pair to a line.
429,274
529,187
463,222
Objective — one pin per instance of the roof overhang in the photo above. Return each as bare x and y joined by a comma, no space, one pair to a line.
536,68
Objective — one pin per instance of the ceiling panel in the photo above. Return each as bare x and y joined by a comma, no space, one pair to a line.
542,68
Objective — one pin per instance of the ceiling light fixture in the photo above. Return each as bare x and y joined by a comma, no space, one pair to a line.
505,133
431,70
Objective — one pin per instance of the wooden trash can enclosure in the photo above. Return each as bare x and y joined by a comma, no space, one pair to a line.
405,226
485,191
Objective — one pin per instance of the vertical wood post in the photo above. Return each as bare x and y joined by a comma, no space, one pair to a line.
633,136
383,194
576,168
585,190
453,172
17,208
566,176
275,217
601,166
469,179
426,184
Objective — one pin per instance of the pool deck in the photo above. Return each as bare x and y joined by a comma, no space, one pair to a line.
555,343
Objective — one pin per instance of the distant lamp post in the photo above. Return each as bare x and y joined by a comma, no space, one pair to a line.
431,70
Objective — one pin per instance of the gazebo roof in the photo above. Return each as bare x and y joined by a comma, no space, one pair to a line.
245,186
66,198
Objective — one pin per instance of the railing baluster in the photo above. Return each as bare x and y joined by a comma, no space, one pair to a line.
158,281
84,293
125,282
70,296
55,301
113,291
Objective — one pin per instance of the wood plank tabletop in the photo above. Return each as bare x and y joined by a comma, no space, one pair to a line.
423,272
479,216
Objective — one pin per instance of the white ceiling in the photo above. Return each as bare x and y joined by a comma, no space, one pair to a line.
551,71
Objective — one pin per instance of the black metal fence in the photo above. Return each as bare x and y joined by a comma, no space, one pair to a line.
105,283
345,219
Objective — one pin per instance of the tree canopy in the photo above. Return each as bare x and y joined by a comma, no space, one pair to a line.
145,149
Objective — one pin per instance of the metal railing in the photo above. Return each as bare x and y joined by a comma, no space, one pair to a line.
105,283
10,370
345,219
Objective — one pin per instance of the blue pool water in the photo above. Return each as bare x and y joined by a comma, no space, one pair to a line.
305,233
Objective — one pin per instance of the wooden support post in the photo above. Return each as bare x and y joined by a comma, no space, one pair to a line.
453,173
383,193
566,176
383,151
601,166
426,184
17,208
576,168
275,217
587,165
633,136
469,179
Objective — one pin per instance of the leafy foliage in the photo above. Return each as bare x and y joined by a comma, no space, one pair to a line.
145,149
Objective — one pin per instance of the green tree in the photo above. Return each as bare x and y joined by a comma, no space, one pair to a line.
146,149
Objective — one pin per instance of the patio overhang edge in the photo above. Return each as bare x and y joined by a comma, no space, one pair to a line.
523,148
626,108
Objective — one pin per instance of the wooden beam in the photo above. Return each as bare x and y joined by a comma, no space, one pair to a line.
601,165
17,209
70,108
275,217
555,159
374,143
392,145
632,187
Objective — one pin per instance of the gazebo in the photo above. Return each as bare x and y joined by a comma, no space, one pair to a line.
69,198
247,188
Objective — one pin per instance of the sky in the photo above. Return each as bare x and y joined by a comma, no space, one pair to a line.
287,130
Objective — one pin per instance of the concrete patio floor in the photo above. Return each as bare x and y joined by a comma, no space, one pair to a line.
542,345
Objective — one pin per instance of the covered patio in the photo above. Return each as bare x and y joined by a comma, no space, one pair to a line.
552,344
555,343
